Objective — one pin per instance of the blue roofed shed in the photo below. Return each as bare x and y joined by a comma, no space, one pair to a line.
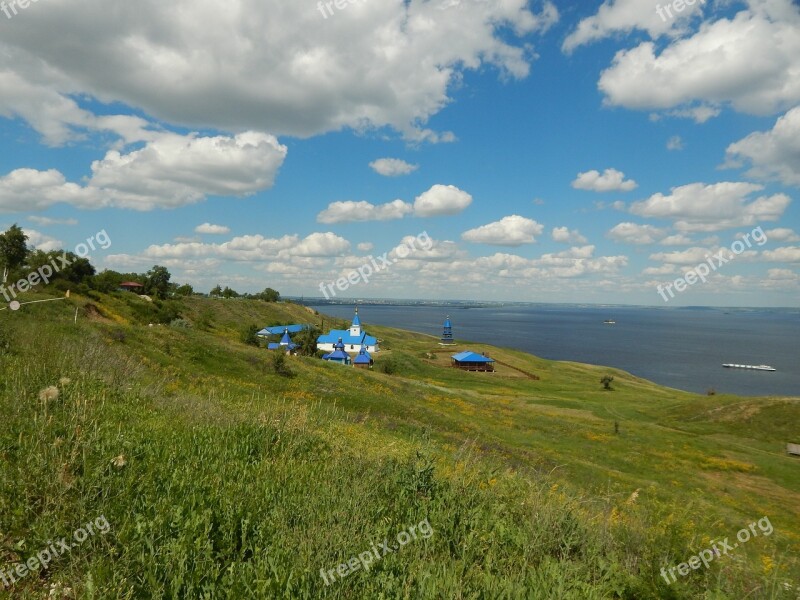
472,361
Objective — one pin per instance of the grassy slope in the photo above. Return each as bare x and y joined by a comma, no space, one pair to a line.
250,482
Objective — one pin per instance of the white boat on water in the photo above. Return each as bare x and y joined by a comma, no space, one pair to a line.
752,367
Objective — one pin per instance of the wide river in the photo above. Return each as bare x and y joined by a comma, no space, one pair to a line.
682,348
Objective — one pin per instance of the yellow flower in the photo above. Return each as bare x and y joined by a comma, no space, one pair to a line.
119,461
767,563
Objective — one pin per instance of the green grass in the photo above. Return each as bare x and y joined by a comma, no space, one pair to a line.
223,479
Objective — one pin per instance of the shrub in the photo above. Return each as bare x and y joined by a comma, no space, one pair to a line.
606,381
180,323
279,364
250,335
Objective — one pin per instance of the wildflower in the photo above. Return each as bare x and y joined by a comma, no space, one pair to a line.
767,563
119,461
49,394
64,381
634,496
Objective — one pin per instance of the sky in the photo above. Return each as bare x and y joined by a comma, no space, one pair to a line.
587,152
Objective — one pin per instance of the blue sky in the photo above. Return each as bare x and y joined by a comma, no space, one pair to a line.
550,152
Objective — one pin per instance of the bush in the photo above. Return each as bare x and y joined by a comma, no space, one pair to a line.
180,324
606,381
250,335
279,364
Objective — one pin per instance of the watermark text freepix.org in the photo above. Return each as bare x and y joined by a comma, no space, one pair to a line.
11,6
677,5
712,263
367,270
705,557
46,271
54,550
365,559
339,4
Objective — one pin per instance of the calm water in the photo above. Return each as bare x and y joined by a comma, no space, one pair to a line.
679,348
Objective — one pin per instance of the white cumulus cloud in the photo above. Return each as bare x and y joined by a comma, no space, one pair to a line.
392,167
611,180
211,229
513,230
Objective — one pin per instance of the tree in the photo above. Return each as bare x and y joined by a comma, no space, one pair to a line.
229,293
269,295
157,282
13,248
217,291
184,290
606,381
250,335
306,341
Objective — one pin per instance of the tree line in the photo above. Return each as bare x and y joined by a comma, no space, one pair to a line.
17,260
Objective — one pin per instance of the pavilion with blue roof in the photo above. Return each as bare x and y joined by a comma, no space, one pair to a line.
353,339
472,361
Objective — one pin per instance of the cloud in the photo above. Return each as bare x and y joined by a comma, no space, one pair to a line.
208,228
564,235
376,64
624,16
701,207
441,200
773,155
690,256
751,62
676,240
321,244
47,221
631,233
252,248
41,241
508,231
782,234
789,254
168,172
365,246
666,269
675,143
610,181
350,211
392,167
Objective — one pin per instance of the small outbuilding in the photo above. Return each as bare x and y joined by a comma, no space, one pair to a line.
338,355
363,360
286,344
472,361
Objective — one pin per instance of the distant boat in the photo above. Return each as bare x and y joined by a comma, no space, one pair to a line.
752,367
609,322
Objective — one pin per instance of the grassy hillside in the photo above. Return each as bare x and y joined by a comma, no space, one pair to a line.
220,478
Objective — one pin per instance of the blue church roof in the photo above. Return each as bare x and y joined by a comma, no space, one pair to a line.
338,355
363,358
447,323
279,329
347,339
471,357
356,320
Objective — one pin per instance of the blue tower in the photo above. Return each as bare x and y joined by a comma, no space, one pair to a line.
447,334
